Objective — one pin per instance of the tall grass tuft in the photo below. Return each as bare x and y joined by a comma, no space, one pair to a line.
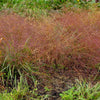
66,40
81,35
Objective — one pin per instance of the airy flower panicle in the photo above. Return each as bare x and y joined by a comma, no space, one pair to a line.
1,39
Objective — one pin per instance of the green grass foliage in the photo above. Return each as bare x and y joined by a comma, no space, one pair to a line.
32,8
82,91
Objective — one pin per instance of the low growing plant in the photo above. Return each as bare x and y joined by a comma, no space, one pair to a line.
82,91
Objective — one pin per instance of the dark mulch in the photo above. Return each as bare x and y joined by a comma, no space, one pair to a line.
59,80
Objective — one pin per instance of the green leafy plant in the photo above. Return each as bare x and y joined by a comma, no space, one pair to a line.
82,91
